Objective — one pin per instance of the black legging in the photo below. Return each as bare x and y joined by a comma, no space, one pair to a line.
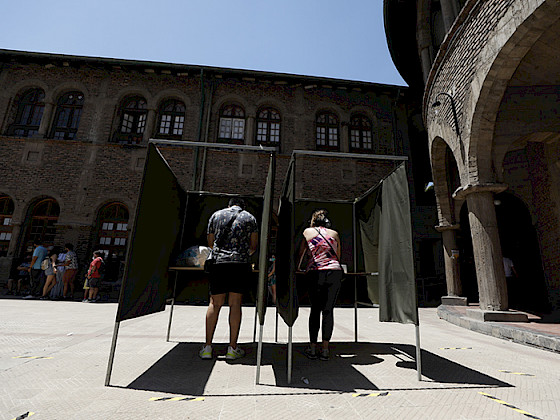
324,288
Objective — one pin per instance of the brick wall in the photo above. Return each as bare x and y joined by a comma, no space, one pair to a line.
89,172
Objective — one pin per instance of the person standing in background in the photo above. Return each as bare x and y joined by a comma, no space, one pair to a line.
70,265
56,291
39,254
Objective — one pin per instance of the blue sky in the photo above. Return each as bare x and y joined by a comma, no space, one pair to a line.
344,40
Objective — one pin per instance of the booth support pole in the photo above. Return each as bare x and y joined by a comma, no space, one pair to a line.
255,322
354,246
290,355
259,355
172,306
293,271
112,353
355,309
418,353
276,330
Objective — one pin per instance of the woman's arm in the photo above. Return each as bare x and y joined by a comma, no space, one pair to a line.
338,244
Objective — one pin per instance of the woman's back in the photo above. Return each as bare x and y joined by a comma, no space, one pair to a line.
323,246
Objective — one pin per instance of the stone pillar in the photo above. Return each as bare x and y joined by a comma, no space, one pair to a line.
490,276
345,138
12,248
45,120
451,260
250,131
150,123
448,14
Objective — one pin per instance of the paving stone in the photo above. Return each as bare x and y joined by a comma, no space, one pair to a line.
71,385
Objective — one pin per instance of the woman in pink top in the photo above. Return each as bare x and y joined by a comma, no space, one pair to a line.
325,274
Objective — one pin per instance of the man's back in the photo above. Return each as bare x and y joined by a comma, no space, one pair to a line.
235,242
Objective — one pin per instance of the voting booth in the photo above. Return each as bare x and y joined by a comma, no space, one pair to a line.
375,233
170,217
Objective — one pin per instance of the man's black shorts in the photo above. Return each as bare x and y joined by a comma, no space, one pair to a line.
230,277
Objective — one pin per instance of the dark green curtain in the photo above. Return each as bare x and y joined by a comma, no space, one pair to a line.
397,289
155,232
286,293
263,242
201,206
368,211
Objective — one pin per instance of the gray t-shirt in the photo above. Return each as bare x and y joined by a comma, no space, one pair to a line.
237,243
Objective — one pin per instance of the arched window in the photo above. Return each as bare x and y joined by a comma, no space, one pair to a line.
44,216
327,134
134,113
112,232
29,113
6,212
361,136
268,127
171,120
67,116
232,124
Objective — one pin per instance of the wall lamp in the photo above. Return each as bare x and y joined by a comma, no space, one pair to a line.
453,109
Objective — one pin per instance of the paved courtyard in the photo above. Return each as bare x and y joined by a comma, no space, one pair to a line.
53,361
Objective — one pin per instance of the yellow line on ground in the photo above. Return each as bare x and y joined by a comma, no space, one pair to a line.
24,415
177,399
374,394
455,348
31,357
531,416
517,373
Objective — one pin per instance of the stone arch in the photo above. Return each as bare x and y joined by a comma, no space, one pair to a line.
271,103
20,87
231,99
134,91
62,88
46,222
320,109
114,200
7,210
508,47
16,93
445,177
171,94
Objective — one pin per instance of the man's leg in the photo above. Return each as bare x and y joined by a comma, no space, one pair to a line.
216,303
93,292
234,300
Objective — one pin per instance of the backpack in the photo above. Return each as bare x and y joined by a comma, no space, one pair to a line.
101,269
45,264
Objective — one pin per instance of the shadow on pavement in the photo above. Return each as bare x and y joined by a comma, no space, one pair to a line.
180,371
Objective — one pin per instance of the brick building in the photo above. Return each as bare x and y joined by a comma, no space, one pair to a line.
74,132
487,75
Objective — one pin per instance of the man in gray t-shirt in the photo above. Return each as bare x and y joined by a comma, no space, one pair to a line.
232,243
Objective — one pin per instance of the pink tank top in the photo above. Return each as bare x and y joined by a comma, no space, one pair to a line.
323,255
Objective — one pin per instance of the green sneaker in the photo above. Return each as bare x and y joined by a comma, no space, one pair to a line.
205,352
234,353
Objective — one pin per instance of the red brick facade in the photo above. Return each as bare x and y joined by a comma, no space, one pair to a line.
85,174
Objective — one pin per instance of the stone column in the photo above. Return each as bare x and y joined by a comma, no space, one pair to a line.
45,120
12,248
345,138
490,276
451,260
250,131
448,14
150,123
